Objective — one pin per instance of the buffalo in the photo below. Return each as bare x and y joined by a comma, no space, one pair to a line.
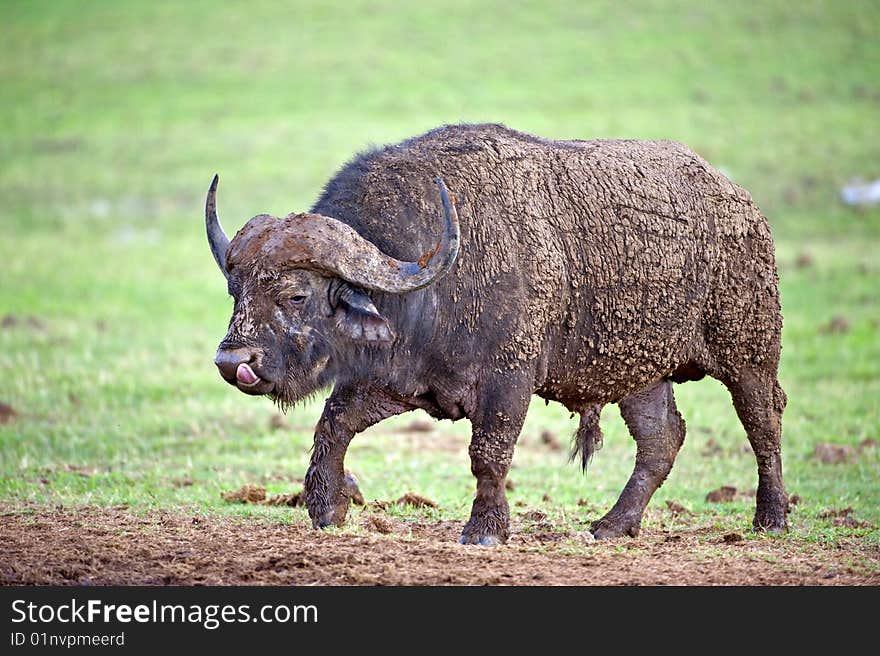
585,272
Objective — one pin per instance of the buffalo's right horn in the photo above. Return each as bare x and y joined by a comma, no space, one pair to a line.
395,276
323,243
216,237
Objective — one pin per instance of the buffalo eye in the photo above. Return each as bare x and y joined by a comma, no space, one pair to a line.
299,299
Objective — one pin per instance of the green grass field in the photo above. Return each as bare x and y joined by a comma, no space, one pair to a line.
114,116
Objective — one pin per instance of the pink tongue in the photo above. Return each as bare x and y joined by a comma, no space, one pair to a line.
245,374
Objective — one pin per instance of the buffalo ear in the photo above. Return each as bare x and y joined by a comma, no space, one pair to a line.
358,319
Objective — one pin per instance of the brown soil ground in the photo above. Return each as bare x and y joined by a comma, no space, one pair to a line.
99,546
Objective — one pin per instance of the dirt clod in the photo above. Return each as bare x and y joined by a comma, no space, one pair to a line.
535,516
292,499
7,413
546,498
509,485
245,494
794,499
677,508
850,522
82,470
803,260
277,421
416,500
549,440
831,454
30,321
843,517
711,449
378,524
837,324
418,426
257,494
732,538
724,494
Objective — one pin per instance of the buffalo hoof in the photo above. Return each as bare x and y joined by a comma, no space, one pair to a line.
771,530
608,528
331,518
481,540
770,514
769,523
326,522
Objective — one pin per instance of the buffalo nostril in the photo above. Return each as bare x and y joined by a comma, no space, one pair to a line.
228,361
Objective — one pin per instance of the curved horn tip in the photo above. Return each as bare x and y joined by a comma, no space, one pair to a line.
447,199
217,239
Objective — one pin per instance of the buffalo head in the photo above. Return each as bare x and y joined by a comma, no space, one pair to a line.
300,287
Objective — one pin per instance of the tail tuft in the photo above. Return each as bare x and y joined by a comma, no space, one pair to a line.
588,438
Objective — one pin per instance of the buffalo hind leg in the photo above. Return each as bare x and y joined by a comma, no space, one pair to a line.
658,429
348,411
759,403
495,428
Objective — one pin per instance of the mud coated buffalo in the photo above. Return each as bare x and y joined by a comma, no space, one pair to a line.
586,272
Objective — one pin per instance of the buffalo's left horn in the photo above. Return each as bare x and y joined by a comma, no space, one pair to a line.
216,237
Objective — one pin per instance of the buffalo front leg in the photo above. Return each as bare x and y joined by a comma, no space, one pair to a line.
496,427
658,429
346,413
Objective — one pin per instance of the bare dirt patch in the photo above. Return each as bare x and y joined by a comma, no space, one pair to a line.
103,546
